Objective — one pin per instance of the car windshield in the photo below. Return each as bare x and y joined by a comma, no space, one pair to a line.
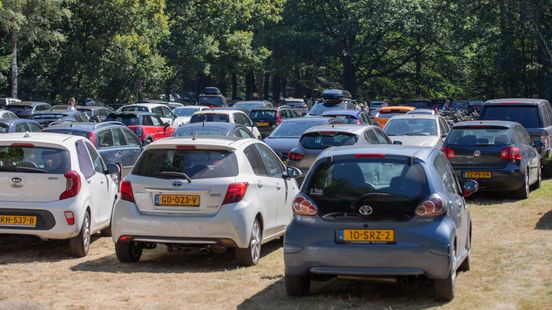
411,127
526,115
34,159
319,108
389,185
248,105
133,108
210,117
128,120
324,140
292,129
196,164
200,131
478,136
211,101
185,111
262,115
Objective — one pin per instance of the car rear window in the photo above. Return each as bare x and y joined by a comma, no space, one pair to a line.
478,136
198,118
19,108
392,186
67,131
347,119
411,127
324,140
29,159
200,131
390,114
185,111
135,109
196,164
128,120
211,101
262,115
52,116
319,108
292,129
526,115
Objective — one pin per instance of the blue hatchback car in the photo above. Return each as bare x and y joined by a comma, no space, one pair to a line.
379,211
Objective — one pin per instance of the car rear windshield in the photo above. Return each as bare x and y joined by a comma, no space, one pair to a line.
394,187
198,118
128,120
19,108
211,101
319,108
389,114
526,115
324,140
478,136
411,127
200,131
135,109
185,111
29,159
68,131
262,115
196,164
347,119
292,129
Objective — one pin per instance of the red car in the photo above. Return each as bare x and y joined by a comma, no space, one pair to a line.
147,126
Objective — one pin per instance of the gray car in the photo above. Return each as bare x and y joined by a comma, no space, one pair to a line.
213,129
317,139
379,211
418,129
287,134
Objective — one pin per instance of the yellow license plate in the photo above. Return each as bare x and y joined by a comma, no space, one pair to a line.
177,200
16,220
478,175
366,235
262,124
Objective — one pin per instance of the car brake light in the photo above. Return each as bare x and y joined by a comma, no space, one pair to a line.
126,191
73,185
278,117
185,147
92,138
510,153
125,238
69,217
369,155
235,192
511,102
22,145
304,206
448,152
295,156
430,208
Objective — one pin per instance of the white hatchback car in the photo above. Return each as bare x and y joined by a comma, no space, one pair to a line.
184,114
55,187
226,116
164,112
213,192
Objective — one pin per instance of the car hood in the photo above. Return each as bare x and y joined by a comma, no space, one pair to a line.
418,140
183,119
282,145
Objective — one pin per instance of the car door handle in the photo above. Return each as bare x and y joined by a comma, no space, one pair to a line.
278,187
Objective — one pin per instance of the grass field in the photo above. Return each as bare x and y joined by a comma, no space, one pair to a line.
511,268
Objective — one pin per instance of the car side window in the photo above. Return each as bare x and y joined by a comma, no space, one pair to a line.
371,136
157,110
34,127
447,176
239,119
380,136
85,164
104,139
364,119
96,159
442,127
156,121
271,161
523,136
546,110
21,127
244,133
146,120
255,160
167,112
118,137
131,137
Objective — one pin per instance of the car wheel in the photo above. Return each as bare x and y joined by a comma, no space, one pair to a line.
523,192
297,286
250,256
80,244
444,288
128,252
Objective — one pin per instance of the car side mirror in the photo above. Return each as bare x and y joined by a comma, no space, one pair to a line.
292,173
396,142
145,142
538,144
112,169
469,187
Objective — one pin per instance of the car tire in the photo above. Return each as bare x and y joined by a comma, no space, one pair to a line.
106,232
128,252
80,244
297,286
250,256
547,170
523,192
444,288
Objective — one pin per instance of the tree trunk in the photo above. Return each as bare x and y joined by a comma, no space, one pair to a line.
418,75
266,88
234,86
276,88
168,90
14,67
349,74
250,87
284,88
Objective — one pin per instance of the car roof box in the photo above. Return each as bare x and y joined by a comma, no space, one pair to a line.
335,95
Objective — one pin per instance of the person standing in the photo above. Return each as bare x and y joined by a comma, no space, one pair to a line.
446,107
71,104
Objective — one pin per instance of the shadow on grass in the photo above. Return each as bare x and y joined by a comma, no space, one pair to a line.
160,260
348,294
30,249
491,198
545,222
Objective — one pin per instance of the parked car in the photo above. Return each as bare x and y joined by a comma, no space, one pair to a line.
115,143
7,101
212,101
418,103
316,139
19,125
534,114
298,105
499,155
7,115
385,113
286,136
379,211
226,115
266,119
214,129
174,105
247,106
333,99
418,129
211,91
423,111
92,102
148,127
46,119
358,117
56,187
26,109
211,192
98,113
162,110
375,106
184,114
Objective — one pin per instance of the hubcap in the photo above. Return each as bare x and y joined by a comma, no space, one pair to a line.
256,241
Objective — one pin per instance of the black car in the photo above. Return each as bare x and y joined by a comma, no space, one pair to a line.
248,106
46,119
18,125
212,101
213,129
418,103
499,155
534,114
26,109
94,112
114,141
333,99
267,119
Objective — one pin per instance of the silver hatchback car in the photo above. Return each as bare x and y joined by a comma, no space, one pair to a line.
379,211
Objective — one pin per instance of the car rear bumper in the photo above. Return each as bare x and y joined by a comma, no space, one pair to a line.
503,180
231,226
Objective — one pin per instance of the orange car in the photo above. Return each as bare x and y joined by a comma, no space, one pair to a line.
386,113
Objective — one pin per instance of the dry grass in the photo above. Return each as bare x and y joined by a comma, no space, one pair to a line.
511,268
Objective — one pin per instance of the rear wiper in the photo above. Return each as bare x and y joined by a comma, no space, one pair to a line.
29,169
176,174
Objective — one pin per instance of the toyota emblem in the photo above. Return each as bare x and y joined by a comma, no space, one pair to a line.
365,210
177,183
477,153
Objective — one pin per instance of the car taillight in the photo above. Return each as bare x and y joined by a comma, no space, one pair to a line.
510,153
126,191
278,117
72,185
432,207
92,138
304,206
295,156
235,192
69,217
448,152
